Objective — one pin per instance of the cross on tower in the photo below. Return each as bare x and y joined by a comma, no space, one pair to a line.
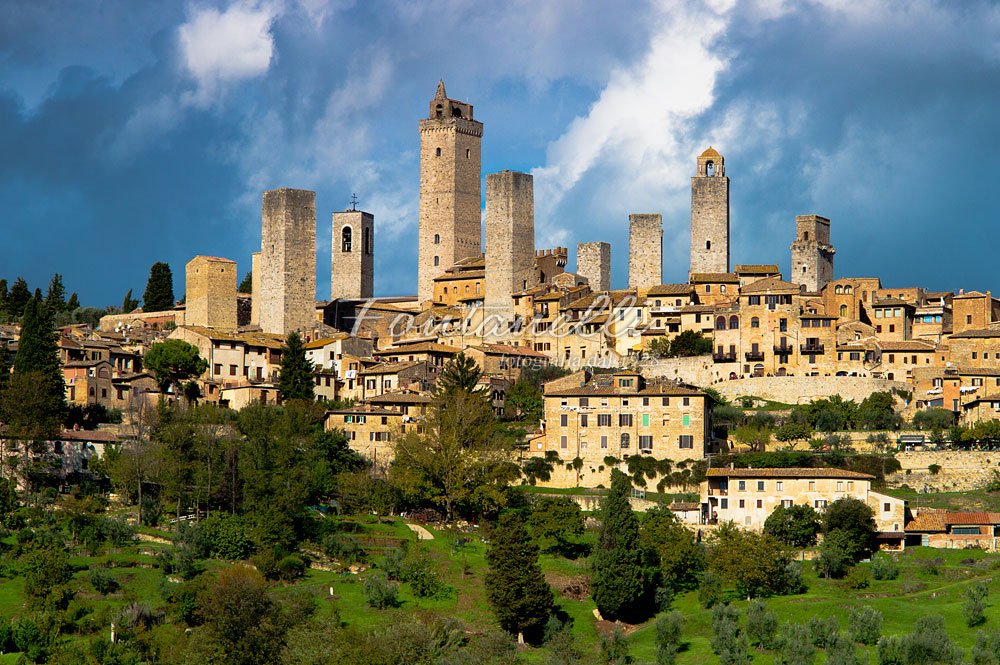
354,202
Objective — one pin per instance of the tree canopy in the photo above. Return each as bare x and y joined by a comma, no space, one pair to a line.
159,294
295,379
173,361
516,589
617,582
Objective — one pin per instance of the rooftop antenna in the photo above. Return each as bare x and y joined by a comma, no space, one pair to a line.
354,202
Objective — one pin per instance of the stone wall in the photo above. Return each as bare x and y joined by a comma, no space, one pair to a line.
510,240
599,475
710,219
812,253
696,370
960,470
174,317
210,292
352,263
801,389
255,269
645,250
593,261
288,260
591,503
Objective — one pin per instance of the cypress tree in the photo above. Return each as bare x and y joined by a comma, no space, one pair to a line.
459,373
246,286
18,298
295,379
3,295
55,299
73,303
129,303
616,580
515,587
159,295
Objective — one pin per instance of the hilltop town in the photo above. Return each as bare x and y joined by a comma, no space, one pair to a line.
353,446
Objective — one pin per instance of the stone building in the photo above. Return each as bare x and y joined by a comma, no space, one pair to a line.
812,253
352,255
210,292
710,215
645,251
593,261
450,219
973,311
510,240
288,261
255,294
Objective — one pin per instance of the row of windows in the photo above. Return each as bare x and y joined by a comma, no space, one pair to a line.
685,441
888,312
779,485
816,323
624,420
347,238
664,401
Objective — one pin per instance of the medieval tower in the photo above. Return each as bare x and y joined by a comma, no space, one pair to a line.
450,195
710,214
593,261
645,251
510,240
210,292
288,261
812,253
352,255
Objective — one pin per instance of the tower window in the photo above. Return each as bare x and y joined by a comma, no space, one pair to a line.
708,244
803,268
345,239
366,235
710,168
468,153
805,234
440,112
437,152
437,238
436,260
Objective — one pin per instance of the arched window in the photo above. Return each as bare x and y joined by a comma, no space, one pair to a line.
838,289
722,288
843,311
848,289
440,112
345,239
710,168
437,152
734,322
366,235
720,323
437,260
446,290
437,238
755,322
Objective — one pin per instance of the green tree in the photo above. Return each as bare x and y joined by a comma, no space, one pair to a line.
461,373
762,625
670,546
173,361
55,299
754,437
614,651
840,650
929,644
129,303
796,646
18,298
246,286
668,637
556,523
159,295
46,572
616,581
796,526
865,625
243,622
792,431
295,379
975,604
73,303
690,343
855,519
660,347
986,650
728,641
525,401
834,554
516,590
753,563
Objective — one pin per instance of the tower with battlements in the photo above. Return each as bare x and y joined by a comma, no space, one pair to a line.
450,194
812,253
710,215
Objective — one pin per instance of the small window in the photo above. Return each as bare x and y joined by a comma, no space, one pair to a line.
886,507
760,503
760,485
437,261
468,153
437,238
437,153
346,236
742,485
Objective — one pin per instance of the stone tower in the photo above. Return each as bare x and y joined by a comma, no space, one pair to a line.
710,214
352,255
593,261
210,292
645,251
255,294
288,261
510,240
812,253
450,195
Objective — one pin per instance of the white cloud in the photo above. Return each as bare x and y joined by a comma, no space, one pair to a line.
231,45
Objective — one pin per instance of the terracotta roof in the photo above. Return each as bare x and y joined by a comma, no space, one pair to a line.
697,308
670,290
85,363
592,388
970,294
390,368
971,518
469,274
770,284
711,152
757,269
401,398
213,258
418,347
88,435
787,473
979,371
986,333
894,302
927,520
363,411
504,349
320,343
908,345
995,397
714,278
684,505
602,299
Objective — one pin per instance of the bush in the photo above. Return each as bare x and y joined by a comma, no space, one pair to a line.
833,560
266,562
865,625
380,593
615,651
710,590
859,577
102,580
728,641
929,643
342,548
795,646
820,630
793,582
987,649
889,651
117,531
663,598
762,624
934,469
227,537
883,567
30,638
291,568
841,651
975,604
668,637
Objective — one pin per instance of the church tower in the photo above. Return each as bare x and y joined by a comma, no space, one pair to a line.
450,194
710,214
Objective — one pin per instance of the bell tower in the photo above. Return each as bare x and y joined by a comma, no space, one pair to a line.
710,214
450,190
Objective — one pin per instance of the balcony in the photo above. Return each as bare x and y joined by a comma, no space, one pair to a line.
718,491
811,348
724,357
754,355
784,350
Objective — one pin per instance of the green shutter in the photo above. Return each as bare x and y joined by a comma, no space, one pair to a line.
645,420
686,421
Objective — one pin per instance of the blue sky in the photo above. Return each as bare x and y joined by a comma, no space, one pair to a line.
139,132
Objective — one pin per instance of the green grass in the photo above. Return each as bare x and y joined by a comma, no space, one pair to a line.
970,501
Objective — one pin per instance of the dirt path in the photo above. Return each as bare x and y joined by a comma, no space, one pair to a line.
422,533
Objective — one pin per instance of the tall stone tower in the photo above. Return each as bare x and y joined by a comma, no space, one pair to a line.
645,251
450,194
710,214
352,255
593,261
210,292
812,253
288,261
510,240
255,294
